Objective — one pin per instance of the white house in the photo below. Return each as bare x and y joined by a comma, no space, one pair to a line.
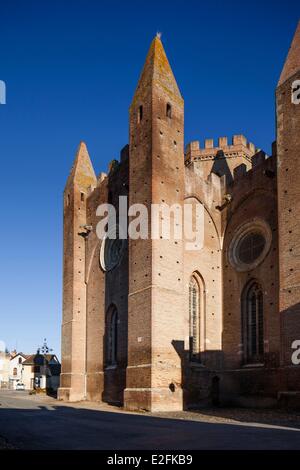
16,369
33,370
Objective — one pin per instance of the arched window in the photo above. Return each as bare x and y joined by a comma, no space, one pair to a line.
169,110
112,336
253,323
20,360
194,313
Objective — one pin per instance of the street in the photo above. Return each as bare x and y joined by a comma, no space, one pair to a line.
41,422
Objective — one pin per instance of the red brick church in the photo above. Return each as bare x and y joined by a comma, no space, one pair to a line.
151,325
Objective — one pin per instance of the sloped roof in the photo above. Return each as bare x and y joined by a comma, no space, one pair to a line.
82,172
39,359
20,354
157,72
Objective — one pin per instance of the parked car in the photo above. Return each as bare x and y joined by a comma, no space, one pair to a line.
20,386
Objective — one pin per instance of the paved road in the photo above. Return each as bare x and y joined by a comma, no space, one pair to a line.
31,422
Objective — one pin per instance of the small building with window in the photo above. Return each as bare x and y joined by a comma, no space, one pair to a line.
16,369
41,371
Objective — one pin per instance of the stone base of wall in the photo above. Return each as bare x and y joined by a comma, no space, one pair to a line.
251,387
114,383
153,399
95,386
68,394
72,387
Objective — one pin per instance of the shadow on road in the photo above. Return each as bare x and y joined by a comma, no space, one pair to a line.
35,426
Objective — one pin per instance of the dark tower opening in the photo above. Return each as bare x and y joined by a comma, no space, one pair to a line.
140,114
169,111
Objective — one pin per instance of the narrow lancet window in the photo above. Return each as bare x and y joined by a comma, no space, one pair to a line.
253,323
194,312
169,111
140,114
112,337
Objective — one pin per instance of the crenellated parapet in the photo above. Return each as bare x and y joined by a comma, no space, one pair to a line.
262,164
221,159
116,168
239,147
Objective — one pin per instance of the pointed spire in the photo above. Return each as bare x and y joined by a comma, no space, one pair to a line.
292,63
82,172
157,69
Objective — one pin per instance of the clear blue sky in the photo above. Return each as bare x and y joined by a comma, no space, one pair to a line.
71,69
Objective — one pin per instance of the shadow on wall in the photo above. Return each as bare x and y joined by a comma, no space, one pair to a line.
115,338
207,383
290,328
220,167
200,378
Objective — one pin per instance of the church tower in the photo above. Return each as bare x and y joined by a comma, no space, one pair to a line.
81,180
288,169
155,302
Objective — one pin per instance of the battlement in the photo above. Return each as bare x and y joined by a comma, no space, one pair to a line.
261,163
239,147
115,165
